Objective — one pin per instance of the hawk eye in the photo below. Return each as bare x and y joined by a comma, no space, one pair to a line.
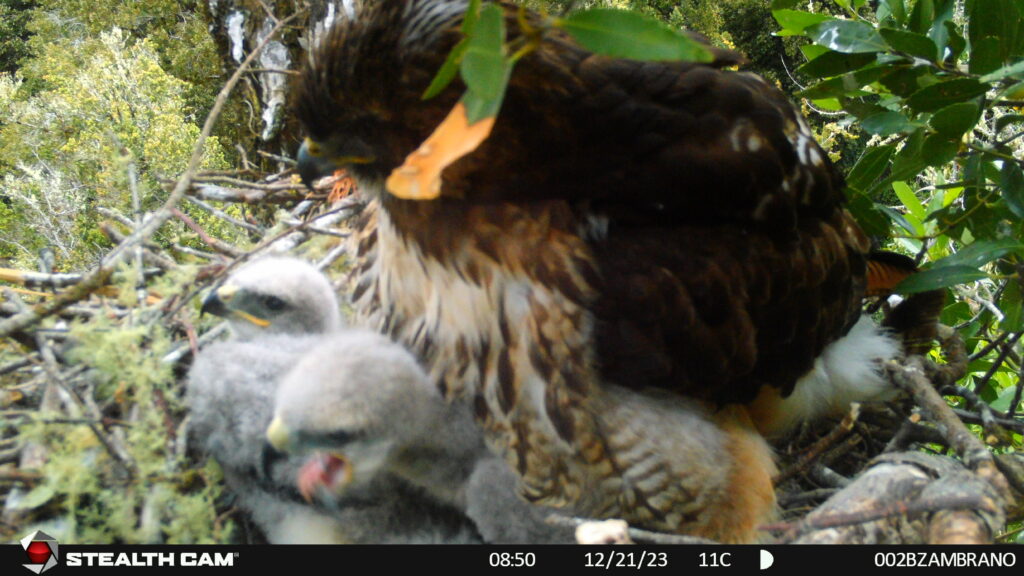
274,303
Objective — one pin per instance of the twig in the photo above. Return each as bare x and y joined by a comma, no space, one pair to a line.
815,450
15,366
281,195
133,186
989,347
911,378
792,500
1004,350
39,279
827,476
223,215
218,245
149,251
972,418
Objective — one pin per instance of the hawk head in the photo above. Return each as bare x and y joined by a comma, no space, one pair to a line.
359,98
275,295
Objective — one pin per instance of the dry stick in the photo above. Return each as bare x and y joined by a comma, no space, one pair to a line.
218,245
791,500
98,277
988,416
279,158
910,432
109,213
39,279
133,186
249,196
835,520
815,450
1011,411
1004,351
272,186
15,366
223,215
911,379
972,418
149,252
989,347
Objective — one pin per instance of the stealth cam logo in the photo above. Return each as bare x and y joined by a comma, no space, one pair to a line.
41,549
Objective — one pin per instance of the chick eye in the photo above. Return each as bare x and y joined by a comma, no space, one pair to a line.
274,303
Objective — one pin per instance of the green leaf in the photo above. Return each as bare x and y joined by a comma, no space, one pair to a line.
451,65
913,44
869,167
794,22
448,70
484,65
985,56
903,81
835,63
471,17
867,214
998,19
1006,395
901,220
945,93
938,277
938,150
937,31
910,200
894,9
1011,182
955,120
1010,304
812,51
921,16
479,107
847,84
1014,70
887,123
847,36
625,34
1004,121
955,42
908,161
982,252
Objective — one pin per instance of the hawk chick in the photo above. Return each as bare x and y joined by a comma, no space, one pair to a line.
278,309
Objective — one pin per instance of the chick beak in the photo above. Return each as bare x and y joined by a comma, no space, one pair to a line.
216,301
277,434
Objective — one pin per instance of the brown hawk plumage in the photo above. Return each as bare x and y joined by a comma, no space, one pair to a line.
637,252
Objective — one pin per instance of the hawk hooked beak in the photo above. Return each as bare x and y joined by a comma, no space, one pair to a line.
316,160
218,303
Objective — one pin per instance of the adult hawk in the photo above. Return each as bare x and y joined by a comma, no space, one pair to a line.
638,246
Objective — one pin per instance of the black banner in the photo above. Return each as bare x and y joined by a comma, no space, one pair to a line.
80,559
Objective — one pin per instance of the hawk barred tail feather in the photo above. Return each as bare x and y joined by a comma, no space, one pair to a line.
638,248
